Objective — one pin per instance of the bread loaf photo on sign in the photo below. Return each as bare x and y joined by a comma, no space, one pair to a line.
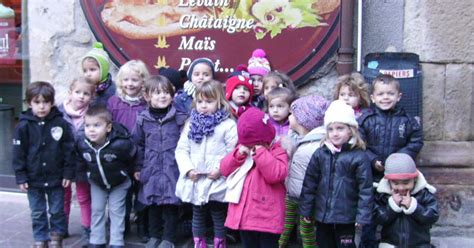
147,19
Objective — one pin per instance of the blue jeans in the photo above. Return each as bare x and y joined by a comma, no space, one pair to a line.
39,217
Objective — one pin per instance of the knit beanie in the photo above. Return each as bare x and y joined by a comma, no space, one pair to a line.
309,111
100,55
240,70
235,81
173,75
258,63
400,166
254,128
340,111
199,61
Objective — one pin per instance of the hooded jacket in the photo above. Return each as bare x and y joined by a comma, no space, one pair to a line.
109,164
402,227
43,150
387,132
338,187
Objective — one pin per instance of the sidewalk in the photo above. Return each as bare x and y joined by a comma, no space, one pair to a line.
15,224
15,228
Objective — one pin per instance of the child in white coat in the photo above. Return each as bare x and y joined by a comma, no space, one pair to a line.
207,137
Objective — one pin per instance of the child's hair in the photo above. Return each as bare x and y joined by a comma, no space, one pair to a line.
356,83
386,79
281,78
158,83
136,66
212,90
39,88
286,94
82,80
101,112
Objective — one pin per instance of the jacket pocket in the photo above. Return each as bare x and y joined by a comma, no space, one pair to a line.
263,207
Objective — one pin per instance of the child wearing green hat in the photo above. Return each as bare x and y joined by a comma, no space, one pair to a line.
95,67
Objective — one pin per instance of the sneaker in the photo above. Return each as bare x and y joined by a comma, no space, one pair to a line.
86,232
40,244
166,244
152,243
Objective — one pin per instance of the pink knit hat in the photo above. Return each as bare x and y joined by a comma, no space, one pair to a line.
309,111
254,128
258,63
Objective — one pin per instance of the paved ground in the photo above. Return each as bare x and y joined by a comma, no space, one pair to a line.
15,227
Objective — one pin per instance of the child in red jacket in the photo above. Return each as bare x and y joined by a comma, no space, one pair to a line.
256,189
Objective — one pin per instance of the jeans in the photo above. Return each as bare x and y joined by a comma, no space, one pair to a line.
37,198
116,199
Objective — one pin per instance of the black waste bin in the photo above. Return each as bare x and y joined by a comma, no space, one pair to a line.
406,68
6,136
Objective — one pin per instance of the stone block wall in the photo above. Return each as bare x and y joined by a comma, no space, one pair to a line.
440,32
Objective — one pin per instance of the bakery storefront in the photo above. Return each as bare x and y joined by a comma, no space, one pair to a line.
298,36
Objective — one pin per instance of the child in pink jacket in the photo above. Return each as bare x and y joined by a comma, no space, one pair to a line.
259,211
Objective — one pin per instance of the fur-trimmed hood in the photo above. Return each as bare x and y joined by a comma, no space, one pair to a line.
384,186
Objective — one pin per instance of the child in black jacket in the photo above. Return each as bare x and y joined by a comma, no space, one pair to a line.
337,187
43,161
108,152
404,204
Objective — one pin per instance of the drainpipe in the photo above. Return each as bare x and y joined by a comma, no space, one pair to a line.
346,50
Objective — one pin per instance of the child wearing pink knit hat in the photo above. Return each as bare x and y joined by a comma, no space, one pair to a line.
258,212
258,67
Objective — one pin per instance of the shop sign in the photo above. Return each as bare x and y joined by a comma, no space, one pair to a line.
298,36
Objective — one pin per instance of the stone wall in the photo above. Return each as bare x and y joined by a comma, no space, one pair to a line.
440,32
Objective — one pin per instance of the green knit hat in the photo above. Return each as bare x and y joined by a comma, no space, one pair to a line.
100,55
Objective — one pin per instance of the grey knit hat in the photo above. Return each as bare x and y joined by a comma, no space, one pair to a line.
400,166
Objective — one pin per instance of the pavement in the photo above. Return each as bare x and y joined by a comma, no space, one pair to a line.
15,228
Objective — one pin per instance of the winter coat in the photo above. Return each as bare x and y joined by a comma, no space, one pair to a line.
262,202
102,97
125,113
204,157
183,102
156,142
299,162
80,175
43,150
387,132
403,227
281,130
109,164
338,187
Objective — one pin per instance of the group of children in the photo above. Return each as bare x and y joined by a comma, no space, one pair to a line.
248,153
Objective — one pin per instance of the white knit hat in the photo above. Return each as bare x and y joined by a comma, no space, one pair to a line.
340,111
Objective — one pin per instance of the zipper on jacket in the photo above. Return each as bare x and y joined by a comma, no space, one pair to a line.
99,164
331,180
388,133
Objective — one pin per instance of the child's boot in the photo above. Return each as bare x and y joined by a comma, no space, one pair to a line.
56,240
219,243
200,242
40,244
